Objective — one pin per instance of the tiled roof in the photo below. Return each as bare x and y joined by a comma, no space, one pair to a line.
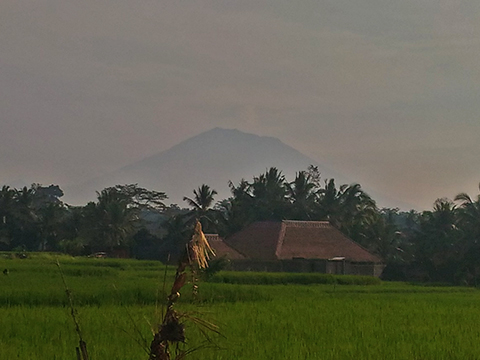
257,241
297,239
221,248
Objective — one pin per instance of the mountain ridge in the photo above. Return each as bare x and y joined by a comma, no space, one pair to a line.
213,157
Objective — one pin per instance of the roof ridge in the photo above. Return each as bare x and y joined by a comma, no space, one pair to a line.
227,244
307,223
359,245
310,221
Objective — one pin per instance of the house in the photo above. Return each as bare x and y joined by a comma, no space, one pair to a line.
222,249
297,246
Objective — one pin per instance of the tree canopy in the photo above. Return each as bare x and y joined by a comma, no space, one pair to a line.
441,244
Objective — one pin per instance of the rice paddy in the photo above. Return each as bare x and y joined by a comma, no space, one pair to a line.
261,316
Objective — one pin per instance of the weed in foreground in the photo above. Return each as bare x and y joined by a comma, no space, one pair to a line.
171,332
81,350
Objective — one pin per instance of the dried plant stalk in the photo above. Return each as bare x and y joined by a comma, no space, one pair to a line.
172,331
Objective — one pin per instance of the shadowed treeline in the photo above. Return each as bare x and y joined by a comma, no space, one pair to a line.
439,245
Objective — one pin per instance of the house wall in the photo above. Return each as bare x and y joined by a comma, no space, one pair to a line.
308,266
338,267
256,265
364,269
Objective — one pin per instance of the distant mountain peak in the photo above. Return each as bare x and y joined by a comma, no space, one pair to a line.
213,157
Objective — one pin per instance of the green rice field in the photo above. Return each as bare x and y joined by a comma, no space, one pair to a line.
260,316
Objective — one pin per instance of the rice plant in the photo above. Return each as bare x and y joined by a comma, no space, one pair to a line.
284,320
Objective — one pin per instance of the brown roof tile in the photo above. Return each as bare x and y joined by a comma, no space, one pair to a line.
297,239
221,248
258,240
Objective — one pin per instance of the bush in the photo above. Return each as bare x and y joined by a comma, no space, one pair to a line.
264,278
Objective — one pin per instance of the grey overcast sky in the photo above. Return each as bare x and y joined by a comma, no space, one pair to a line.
386,92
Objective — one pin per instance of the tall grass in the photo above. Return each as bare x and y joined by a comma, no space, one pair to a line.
278,321
264,278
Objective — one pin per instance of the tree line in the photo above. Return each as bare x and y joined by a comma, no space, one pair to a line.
440,245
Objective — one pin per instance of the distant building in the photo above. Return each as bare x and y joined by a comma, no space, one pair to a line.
296,246
222,249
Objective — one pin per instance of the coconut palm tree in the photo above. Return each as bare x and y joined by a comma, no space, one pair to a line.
469,225
201,203
113,217
438,246
357,208
348,208
203,198
303,195
237,211
329,202
50,216
269,193
382,237
469,215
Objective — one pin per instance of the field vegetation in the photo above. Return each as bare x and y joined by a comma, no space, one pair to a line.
441,244
260,316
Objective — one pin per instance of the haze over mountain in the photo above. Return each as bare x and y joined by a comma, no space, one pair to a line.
214,158
384,92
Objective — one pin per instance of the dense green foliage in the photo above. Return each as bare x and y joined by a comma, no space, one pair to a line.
258,322
440,245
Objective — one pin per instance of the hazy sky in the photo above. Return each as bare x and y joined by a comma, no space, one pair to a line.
386,92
